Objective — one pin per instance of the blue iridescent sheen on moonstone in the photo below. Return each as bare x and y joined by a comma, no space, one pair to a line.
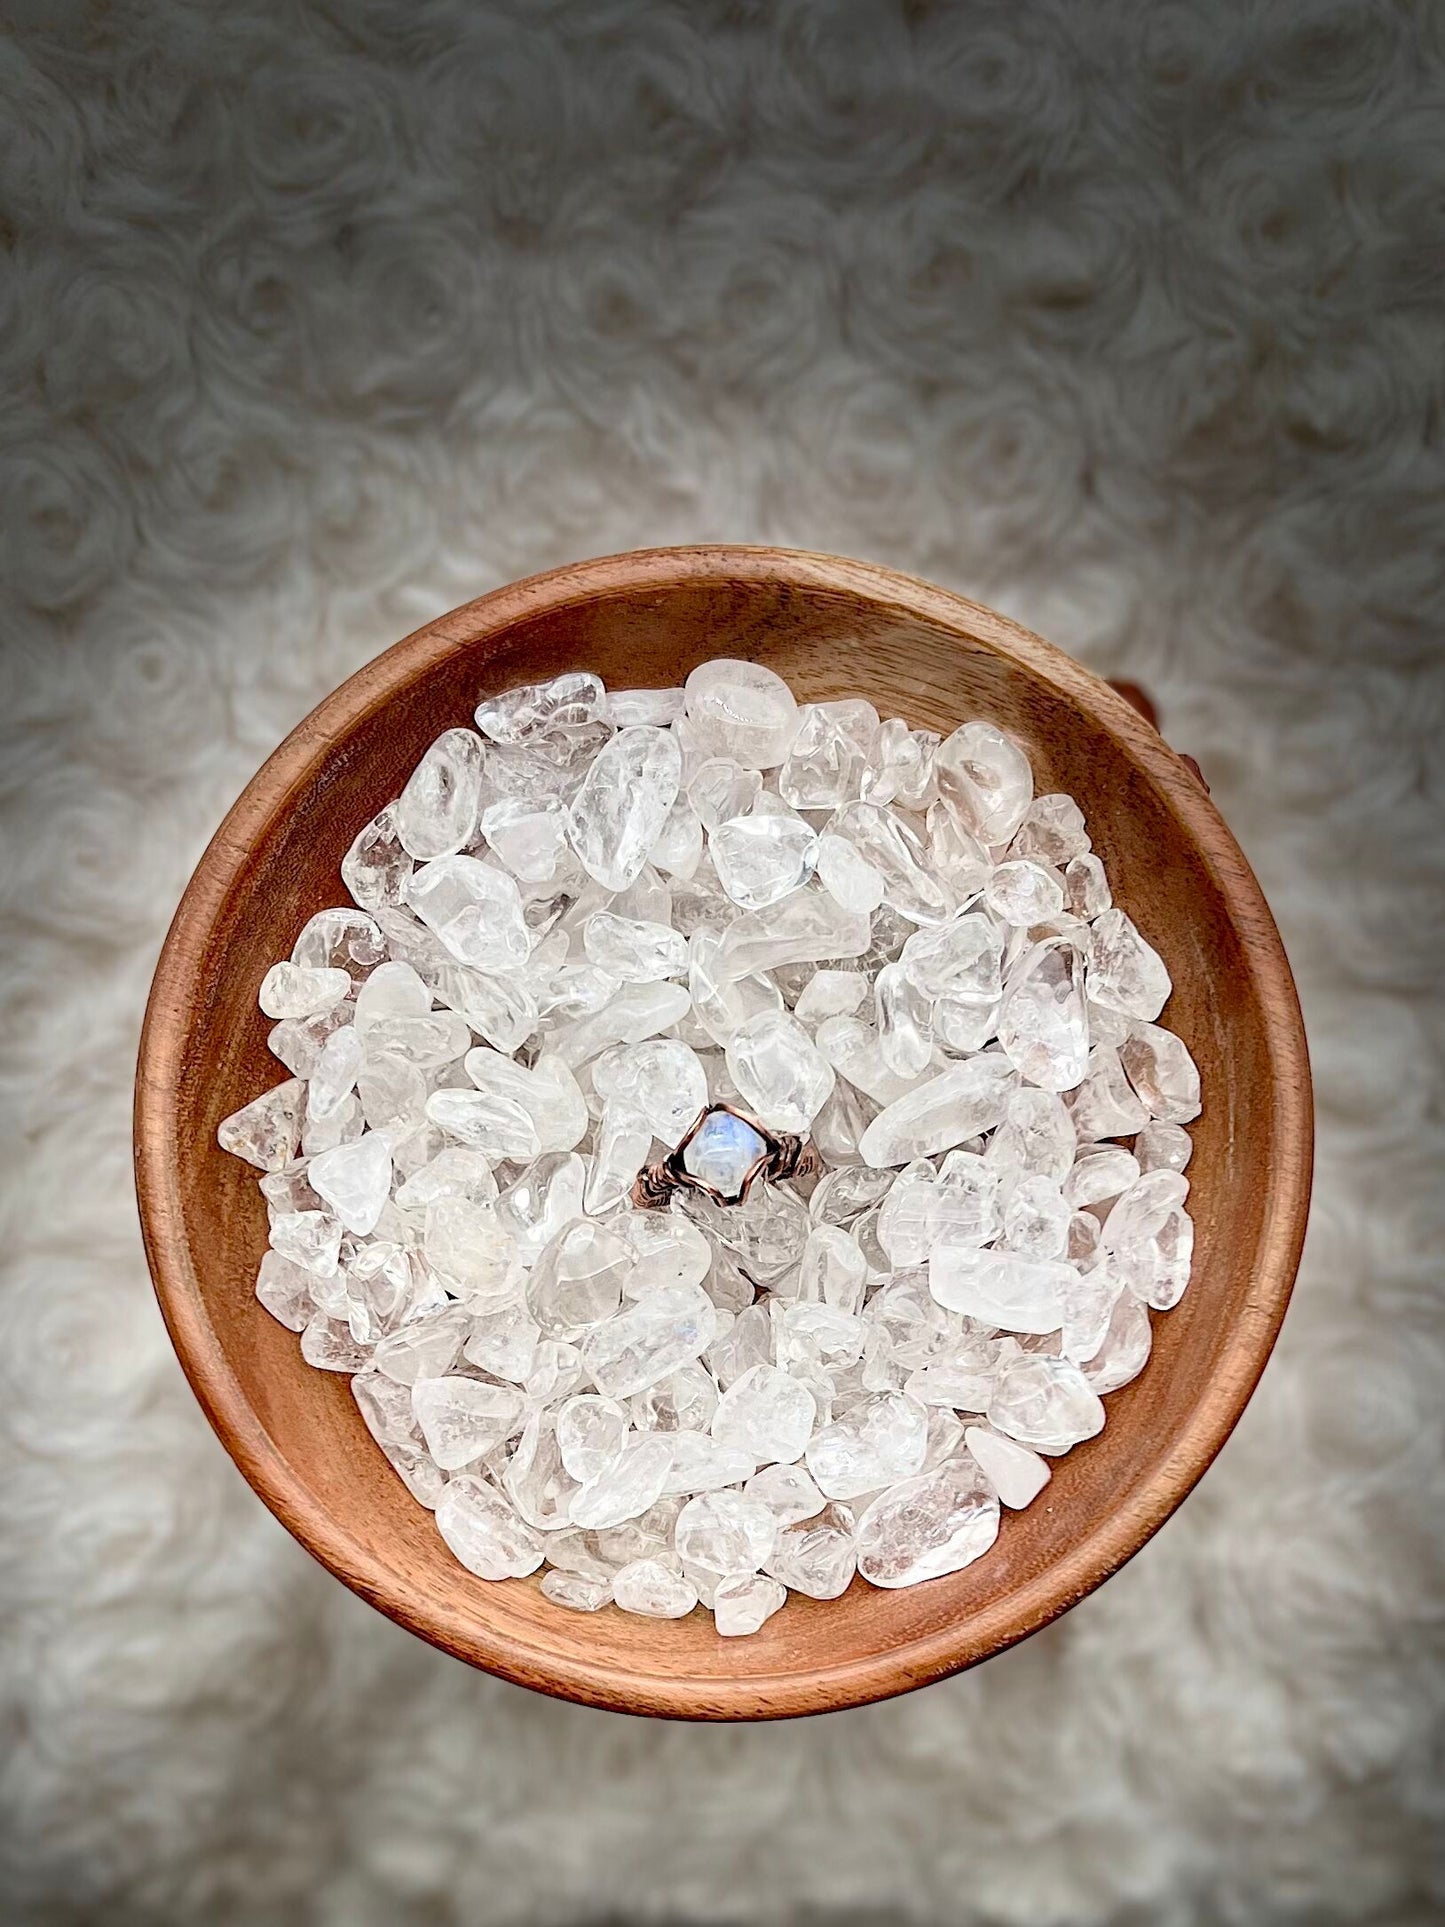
723,1151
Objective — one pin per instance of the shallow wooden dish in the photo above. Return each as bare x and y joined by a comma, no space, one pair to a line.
832,628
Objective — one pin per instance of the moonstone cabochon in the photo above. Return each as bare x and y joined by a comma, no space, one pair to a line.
721,1151
645,620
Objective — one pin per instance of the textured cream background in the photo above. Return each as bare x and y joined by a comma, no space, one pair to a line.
319,319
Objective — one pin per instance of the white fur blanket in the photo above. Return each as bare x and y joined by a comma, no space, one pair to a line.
318,319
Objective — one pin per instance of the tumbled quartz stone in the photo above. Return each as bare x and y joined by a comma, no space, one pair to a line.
816,1556
548,1093
625,799
484,1532
766,1414
659,707
1150,1238
575,1590
1036,1218
829,755
788,1491
721,789
632,951
701,1463
725,1532
436,814
527,835
266,1131
855,1051
1043,1401
637,1012
1086,887
807,927
347,940
833,1269
1104,1104
290,990
355,1180
878,1441
665,1079
848,877
905,1022
1001,1288
954,850
1099,1174
900,769
1162,1147
779,1071
648,1339
591,1432
961,959
462,1419
897,853
966,1098
377,865
1043,1025
633,1482
830,993
1125,973
653,1589
533,710
1024,893
987,777
741,711
1052,830
1124,1350
743,1602
284,1289
466,1245
494,1123
763,857
1036,1137
934,1524
474,908
668,1250
577,1279
1163,1074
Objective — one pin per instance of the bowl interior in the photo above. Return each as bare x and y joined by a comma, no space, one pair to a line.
832,630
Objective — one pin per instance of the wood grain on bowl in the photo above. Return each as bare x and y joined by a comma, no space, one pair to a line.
832,628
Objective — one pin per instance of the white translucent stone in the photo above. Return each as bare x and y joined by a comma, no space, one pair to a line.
875,1443
1043,1401
536,1481
632,951
344,1125
816,1557
684,1401
484,1533
377,865
456,1171
386,1409
474,909
722,1152
355,1180
955,852
960,959
653,1589
1036,1137
725,1532
575,1590
987,778
905,1022
743,1603
577,1280
763,857
504,1342
666,1081
897,853
701,1463
1088,1306
1124,1351
829,755
266,1131
462,1419
830,993
821,1335
548,1093
633,1482
807,927
437,812
648,1339
669,1251
329,1346
906,1221
1023,893
1150,1238
340,1064
719,1004
528,836
1163,1074
636,1012
1036,1218
1052,831
965,1203
1100,1174
425,1348
934,1524
781,1074
299,1041
1104,1104
900,769
497,1125
788,1491
832,1270
1125,973
679,846
961,1027
658,707
544,1197
721,789
290,990
392,990
1000,1288
591,1432
501,1009
766,1414
960,1102
340,939
467,1246
621,1148
1163,1147
534,710
439,1038
625,799
284,1289
853,1048
1086,887
742,711
1043,1025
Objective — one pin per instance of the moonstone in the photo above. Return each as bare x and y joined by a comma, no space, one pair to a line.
1125,973
987,777
632,951
722,1151
625,799
355,1180
878,1441
966,1098
474,908
744,1602
763,857
999,1287
742,711
1043,1401
463,1418
937,1523
654,1589
437,812
779,1071
266,1131
766,1414
485,1533
647,1340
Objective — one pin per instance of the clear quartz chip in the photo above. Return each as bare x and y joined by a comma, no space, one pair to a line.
484,1532
626,797
781,1074
767,1414
725,1532
1163,1074
936,1523
377,865
527,835
816,1557
462,1419
266,1131
533,711
830,755
291,990
632,951
1043,1401
966,1098
474,908
355,1180
649,1339
875,1443
987,778
654,1589
1044,1024
763,857
743,1602
741,711
436,814
1125,973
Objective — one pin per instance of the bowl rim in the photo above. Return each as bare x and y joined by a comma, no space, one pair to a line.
1039,1598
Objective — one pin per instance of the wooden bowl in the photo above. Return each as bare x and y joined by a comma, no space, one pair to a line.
833,628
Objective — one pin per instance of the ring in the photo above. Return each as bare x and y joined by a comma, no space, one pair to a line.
723,1153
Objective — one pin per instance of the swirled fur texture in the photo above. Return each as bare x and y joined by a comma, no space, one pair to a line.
320,318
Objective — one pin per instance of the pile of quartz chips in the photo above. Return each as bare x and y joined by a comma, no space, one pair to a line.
578,925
